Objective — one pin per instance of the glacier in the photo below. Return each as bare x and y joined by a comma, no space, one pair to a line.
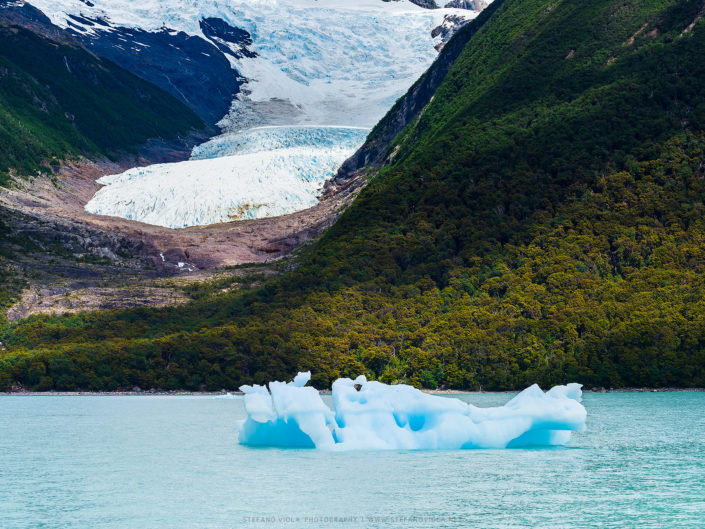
325,71
258,173
370,415
339,62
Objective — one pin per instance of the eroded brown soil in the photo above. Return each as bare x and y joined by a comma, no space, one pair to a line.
110,263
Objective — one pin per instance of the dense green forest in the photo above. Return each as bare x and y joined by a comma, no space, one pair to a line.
57,100
542,221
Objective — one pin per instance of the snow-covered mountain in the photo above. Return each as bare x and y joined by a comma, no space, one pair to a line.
312,55
322,64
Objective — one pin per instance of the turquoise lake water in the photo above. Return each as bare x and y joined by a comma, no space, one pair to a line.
174,462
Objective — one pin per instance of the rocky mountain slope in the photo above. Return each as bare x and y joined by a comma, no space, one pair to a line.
541,220
193,69
59,104
316,76
57,100
197,63
377,150
203,53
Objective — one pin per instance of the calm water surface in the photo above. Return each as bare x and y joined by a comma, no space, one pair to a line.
174,462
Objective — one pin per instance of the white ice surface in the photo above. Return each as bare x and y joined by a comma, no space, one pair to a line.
320,62
228,396
340,62
382,417
279,170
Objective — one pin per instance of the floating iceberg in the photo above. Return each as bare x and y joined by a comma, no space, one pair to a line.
375,416
228,396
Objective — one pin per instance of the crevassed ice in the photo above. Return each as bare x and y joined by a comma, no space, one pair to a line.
326,58
319,62
383,417
270,138
278,178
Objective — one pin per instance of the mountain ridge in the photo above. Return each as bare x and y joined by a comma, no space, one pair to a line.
376,150
51,108
542,221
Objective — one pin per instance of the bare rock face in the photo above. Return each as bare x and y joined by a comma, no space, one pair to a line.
452,23
450,26
472,5
69,298
191,69
29,17
428,4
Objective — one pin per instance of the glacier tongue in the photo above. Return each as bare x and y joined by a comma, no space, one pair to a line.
271,138
329,62
280,178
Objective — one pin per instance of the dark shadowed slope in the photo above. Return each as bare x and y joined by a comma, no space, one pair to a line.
58,100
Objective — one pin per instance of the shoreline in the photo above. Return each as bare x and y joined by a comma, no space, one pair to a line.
225,393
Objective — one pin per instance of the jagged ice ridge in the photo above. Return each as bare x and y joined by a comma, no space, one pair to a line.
376,416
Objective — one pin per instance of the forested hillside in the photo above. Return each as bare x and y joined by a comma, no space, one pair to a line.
57,101
542,220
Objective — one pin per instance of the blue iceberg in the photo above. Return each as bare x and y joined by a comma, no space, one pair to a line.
374,416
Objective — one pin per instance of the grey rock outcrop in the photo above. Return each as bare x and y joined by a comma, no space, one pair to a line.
428,4
193,69
450,26
473,5
376,151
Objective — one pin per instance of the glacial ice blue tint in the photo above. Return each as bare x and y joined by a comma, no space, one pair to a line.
318,63
376,416
175,462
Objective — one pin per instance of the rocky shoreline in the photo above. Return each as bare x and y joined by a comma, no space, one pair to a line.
224,393
119,393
